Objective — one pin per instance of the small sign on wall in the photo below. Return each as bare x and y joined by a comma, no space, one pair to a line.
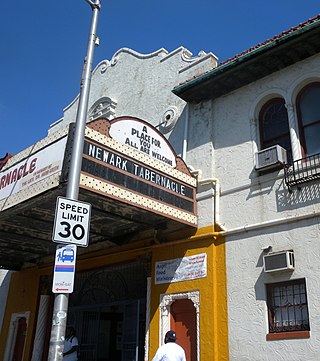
181,269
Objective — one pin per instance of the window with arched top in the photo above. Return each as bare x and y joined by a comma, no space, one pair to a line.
308,111
274,125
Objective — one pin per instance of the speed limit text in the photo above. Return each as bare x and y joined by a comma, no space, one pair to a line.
73,212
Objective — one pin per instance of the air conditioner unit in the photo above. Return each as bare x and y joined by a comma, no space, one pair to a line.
278,261
271,157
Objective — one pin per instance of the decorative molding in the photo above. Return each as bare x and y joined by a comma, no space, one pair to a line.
166,301
290,107
186,55
196,60
103,65
169,119
253,121
12,334
134,53
294,131
103,108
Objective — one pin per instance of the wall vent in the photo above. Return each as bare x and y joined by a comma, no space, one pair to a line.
278,261
271,157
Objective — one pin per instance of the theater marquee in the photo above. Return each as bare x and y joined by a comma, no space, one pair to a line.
130,161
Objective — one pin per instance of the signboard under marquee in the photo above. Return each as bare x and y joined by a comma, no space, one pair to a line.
122,172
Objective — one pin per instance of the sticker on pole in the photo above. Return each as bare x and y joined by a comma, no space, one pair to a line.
71,223
64,269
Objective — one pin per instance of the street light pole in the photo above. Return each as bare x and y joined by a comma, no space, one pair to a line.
60,309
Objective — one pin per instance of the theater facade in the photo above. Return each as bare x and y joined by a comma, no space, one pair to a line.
155,260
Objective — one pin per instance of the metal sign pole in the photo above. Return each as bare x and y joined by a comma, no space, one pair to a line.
60,309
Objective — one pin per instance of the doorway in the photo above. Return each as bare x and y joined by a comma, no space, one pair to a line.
109,332
20,339
183,321
181,312
108,311
16,337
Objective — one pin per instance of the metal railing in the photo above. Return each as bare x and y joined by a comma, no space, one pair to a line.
302,170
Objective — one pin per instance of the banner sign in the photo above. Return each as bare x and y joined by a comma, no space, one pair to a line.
181,269
33,169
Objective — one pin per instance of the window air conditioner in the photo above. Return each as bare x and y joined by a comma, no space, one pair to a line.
278,261
271,157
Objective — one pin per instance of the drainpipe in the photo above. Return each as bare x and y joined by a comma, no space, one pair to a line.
271,223
216,200
185,135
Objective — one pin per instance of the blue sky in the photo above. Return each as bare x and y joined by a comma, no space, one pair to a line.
43,44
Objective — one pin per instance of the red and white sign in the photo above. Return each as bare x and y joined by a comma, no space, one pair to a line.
142,136
64,269
33,169
181,269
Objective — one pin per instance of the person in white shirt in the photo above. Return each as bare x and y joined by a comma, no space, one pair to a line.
70,350
170,351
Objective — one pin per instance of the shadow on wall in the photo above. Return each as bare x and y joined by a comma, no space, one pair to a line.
303,196
199,129
306,195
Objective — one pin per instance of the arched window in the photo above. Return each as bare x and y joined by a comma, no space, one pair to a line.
274,125
308,110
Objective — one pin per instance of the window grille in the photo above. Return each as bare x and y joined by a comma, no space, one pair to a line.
287,306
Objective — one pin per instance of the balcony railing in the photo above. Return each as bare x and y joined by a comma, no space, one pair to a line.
302,171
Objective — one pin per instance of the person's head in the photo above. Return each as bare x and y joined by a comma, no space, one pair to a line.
170,337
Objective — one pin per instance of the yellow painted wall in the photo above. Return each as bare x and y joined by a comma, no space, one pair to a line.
22,297
23,292
213,302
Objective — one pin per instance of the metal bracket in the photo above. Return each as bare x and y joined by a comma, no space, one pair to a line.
94,5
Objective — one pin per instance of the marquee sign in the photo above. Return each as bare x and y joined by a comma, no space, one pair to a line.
142,136
133,176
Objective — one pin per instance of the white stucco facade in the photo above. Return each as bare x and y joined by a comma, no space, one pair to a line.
140,85
257,210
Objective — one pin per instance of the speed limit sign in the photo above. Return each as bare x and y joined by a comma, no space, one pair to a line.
71,223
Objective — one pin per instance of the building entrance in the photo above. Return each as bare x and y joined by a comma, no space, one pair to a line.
107,311
110,332
184,322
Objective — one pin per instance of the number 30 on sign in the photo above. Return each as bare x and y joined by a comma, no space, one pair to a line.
71,223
